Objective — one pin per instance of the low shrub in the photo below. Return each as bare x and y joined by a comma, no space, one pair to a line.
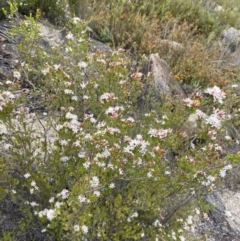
94,163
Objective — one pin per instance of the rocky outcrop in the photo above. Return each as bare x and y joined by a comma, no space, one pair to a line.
8,51
49,37
163,82
231,39
230,45
224,219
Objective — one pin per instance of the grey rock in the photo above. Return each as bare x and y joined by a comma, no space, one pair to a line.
163,81
230,36
224,218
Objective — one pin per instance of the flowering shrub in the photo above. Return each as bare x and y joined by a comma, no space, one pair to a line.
91,163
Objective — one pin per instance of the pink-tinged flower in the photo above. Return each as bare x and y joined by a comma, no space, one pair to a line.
137,75
182,134
200,114
191,103
112,130
215,120
107,97
159,133
217,93
197,95
114,111
188,102
228,138
212,133
101,61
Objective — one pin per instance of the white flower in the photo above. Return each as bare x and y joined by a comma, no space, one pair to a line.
33,184
228,138
74,98
112,185
222,173
68,92
107,97
58,204
56,66
86,164
84,229
44,230
83,85
64,158
68,49
94,182
228,167
64,194
27,175
50,214
182,238
217,93
156,223
81,199
76,20
16,74
51,200
45,71
189,220
71,116
149,174
82,65
63,142
69,36
97,193
76,228
214,121
211,178
159,133
34,204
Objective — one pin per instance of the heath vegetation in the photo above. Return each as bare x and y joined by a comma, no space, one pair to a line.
87,153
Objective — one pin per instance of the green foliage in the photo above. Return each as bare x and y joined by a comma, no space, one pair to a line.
96,154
